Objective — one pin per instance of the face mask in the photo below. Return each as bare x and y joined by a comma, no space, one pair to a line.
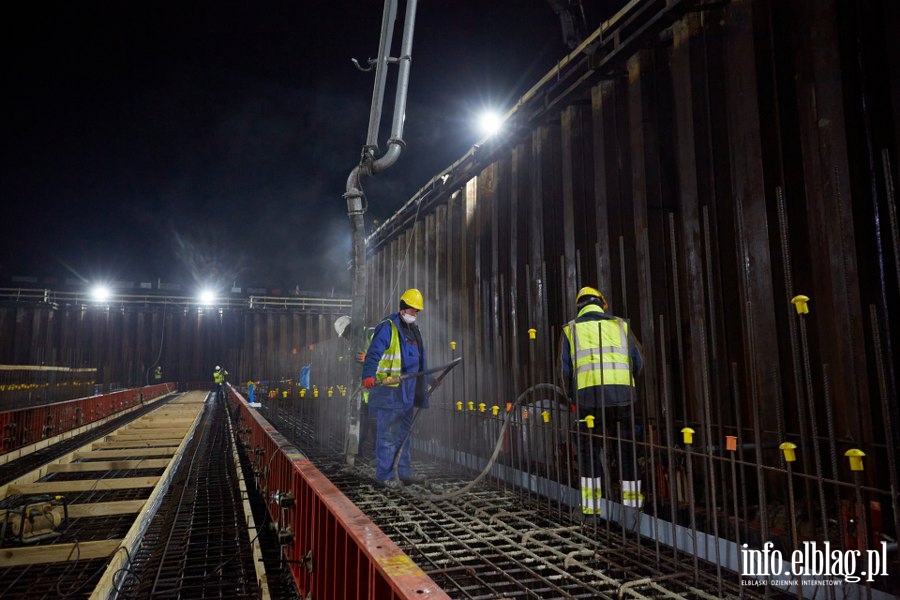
408,318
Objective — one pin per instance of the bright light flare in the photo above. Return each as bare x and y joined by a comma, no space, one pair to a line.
490,123
101,293
207,297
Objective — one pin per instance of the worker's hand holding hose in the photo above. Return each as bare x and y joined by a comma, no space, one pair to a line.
369,383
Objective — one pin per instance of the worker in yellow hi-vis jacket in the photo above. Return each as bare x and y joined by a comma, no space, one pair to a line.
219,379
600,358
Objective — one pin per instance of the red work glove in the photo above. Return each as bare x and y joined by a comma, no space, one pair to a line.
369,383
361,357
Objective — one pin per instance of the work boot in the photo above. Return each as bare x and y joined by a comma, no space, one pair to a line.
412,478
391,484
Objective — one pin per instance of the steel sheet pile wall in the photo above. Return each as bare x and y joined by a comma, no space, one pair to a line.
702,168
124,340
32,385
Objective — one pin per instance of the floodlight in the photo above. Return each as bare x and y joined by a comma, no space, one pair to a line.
490,123
100,293
207,297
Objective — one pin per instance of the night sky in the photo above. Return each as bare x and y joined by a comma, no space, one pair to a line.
210,142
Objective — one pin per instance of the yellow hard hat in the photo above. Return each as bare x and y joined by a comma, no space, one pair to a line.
413,298
587,292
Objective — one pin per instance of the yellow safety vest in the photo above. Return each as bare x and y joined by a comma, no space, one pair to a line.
390,364
599,350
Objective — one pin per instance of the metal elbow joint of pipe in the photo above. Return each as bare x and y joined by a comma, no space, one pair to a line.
394,149
354,194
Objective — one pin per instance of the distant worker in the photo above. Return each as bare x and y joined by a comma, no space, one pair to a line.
251,392
367,424
157,374
601,386
396,349
219,376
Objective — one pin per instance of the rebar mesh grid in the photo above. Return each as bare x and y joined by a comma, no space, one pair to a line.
197,546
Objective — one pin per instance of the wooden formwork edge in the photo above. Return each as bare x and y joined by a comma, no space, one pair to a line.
252,531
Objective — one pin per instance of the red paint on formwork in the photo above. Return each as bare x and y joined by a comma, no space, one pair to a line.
405,576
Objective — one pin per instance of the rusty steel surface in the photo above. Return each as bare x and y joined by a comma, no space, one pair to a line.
724,172
121,340
708,169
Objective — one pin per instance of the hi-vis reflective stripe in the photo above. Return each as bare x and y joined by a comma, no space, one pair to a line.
590,496
605,365
631,494
387,358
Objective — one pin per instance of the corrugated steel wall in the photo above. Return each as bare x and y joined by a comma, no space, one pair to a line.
738,155
124,341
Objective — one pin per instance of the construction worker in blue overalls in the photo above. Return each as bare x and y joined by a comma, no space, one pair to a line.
396,349
600,383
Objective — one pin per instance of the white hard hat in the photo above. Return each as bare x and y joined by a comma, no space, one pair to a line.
341,324
218,367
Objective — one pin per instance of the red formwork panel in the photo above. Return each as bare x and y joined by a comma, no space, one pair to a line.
26,426
334,549
6,425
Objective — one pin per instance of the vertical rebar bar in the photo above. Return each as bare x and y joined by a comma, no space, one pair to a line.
889,375
739,422
832,451
692,509
734,500
670,427
814,428
862,531
887,418
792,516
792,333
622,312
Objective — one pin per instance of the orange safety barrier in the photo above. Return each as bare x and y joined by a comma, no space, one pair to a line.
334,549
